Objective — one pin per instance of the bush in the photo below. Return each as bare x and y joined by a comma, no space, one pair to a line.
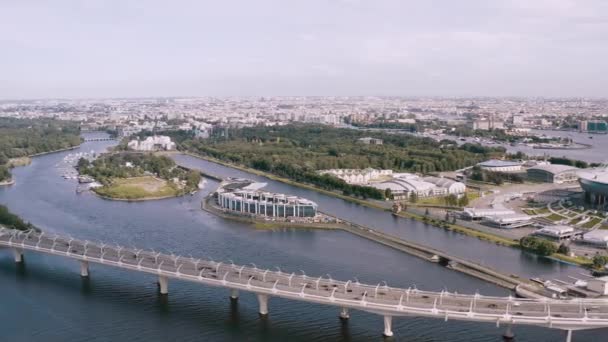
600,261
537,245
13,221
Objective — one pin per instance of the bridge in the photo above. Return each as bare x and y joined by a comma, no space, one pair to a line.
380,299
99,139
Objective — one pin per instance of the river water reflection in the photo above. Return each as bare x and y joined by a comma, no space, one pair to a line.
47,300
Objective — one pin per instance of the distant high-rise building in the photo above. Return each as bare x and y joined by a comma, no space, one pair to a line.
593,126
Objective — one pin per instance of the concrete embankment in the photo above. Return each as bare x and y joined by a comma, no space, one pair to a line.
455,263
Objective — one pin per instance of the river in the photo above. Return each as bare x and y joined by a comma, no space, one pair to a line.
47,300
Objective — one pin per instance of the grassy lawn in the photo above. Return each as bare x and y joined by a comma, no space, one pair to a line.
592,222
529,212
138,188
541,211
579,260
431,201
554,217
576,220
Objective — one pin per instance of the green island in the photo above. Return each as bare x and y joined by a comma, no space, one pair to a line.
21,138
138,176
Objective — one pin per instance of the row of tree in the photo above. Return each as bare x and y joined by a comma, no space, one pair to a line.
298,151
497,178
25,137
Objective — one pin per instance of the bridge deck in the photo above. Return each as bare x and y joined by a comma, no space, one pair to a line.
380,299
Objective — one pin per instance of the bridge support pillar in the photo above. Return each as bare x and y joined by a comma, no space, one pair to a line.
388,326
508,335
234,294
263,300
18,254
84,268
163,284
568,335
344,315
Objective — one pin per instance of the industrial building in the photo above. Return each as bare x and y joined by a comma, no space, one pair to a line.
497,217
552,173
403,185
598,237
496,165
556,232
358,176
452,187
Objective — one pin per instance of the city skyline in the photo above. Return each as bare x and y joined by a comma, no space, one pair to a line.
334,48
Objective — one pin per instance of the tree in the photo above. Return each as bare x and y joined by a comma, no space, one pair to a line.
447,216
83,163
426,212
13,221
463,201
538,245
413,197
388,193
600,261
4,173
3,158
563,249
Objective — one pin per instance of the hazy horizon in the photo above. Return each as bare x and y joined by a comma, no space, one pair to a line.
137,49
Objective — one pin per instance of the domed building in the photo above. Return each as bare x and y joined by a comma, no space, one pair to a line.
595,184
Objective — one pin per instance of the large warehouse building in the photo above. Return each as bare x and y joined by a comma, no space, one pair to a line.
496,165
553,173
406,184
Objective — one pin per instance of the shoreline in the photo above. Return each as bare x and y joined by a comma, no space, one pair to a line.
55,151
493,238
8,182
107,198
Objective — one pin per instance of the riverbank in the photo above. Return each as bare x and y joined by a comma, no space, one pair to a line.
55,151
7,182
435,222
21,161
497,239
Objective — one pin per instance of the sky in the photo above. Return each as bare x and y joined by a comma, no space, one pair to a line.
146,48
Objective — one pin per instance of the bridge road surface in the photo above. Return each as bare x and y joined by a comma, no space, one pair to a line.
379,299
